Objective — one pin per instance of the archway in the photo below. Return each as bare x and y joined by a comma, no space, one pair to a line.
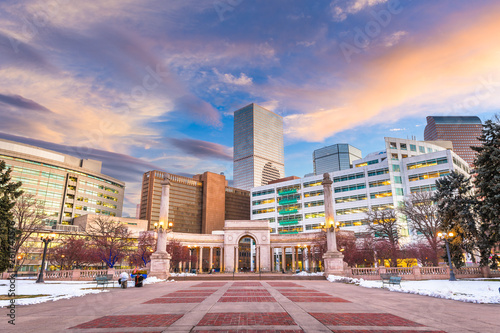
247,254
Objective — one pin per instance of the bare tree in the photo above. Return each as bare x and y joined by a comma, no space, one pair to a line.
146,245
422,214
111,240
29,217
72,252
178,252
384,226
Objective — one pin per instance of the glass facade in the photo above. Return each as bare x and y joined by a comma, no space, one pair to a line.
334,158
258,147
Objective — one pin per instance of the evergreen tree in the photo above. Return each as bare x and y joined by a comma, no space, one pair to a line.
456,211
8,193
487,183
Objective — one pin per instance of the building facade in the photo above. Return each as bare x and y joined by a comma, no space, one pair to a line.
196,205
258,147
335,158
379,181
67,186
461,131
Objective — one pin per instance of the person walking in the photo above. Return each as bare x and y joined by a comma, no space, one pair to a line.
122,281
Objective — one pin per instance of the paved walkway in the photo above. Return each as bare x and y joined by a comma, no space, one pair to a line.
254,306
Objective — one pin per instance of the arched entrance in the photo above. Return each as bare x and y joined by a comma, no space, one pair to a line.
247,254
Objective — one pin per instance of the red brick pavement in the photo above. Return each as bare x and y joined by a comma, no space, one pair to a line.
246,299
362,319
198,294
159,320
384,331
250,331
197,291
297,291
247,284
247,293
284,284
209,284
246,318
291,293
330,299
164,300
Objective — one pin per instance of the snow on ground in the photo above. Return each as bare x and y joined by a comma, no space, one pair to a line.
471,290
183,274
309,274
56,289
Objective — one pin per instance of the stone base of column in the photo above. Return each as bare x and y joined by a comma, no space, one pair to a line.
160,265
334,263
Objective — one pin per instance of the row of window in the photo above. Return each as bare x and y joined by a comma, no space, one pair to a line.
351,198
259,193
261,202
427,163
378,195
367,163
382,182
378,172
349,177
350,187
428,175
423,188
348,211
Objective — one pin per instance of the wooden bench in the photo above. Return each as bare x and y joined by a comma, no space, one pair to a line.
390,279
103,280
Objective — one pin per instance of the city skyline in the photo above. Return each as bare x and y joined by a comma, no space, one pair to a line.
143,90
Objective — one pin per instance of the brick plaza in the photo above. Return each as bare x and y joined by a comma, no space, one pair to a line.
257,306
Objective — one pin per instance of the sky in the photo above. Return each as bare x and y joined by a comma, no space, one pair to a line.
145,85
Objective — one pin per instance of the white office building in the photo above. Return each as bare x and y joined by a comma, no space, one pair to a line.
379,181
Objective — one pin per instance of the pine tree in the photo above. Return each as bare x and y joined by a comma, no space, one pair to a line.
9,191
487,183
456,211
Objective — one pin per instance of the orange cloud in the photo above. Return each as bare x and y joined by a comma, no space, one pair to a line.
453,70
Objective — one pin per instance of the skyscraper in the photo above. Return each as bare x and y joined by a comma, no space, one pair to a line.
461,131
258,147
334,158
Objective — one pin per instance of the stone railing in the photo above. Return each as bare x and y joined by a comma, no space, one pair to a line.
420,273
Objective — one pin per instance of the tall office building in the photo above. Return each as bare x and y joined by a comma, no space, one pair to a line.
196,205
67,186
461,131
258,147
334,158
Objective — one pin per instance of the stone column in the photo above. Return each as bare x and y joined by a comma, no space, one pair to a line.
293,259
211,256
165,201
283,258
332,259
222,263
236,258
200,260
257,258
160,260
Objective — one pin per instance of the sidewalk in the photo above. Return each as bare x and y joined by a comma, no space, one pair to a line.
260,306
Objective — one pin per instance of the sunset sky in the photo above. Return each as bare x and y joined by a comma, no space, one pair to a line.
153,84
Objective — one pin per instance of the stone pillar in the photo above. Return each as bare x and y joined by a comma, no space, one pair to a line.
222,263
332,259
200,260
257,258
165,201
293,259
236,258
160,260
283,258
211,258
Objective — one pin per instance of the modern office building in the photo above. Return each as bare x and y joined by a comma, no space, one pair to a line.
258,147
335,158
379,181
67,186
196,205
461,131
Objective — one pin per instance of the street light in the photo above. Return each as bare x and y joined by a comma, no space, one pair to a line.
302,248
158,226
446,236
46,240
62,259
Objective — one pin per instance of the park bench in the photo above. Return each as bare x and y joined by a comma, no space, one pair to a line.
390,279
103,280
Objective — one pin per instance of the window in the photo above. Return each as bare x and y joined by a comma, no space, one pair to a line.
421,149
348,177
393,145
351,198
403,146
394,157
399,191
382,182
398,180
429,150
404,156
413,148
350,187
378,195
378,172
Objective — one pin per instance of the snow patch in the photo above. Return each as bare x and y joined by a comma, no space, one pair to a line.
309,274
471,290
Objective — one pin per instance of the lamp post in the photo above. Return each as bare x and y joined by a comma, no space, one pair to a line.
446,236
62,259
302,247
46,240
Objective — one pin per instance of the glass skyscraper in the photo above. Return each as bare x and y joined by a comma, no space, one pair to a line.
334,158
258,147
